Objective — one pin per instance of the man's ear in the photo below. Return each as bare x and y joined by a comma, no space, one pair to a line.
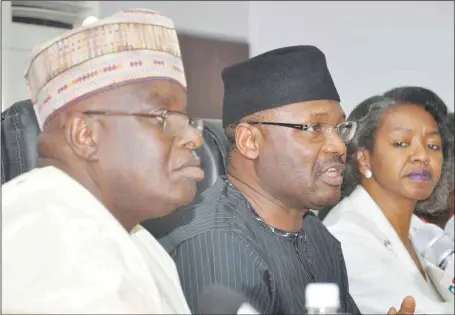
247,140
81,135
363,160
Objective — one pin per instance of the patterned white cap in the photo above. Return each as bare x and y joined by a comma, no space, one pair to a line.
131,45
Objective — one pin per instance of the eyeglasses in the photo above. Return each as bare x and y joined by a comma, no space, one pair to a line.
318,131
174,124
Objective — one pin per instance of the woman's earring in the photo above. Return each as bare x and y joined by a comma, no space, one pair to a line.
368,173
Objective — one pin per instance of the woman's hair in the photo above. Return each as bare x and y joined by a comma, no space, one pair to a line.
420,96
365,135
362,109
356,114
364,138
438,202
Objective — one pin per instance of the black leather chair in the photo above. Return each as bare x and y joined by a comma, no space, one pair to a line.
20,129
213,153
19,134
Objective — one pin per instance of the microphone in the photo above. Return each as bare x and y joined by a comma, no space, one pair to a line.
448,229
217,299
322,298
437,249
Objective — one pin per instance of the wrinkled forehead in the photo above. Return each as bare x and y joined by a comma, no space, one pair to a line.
142,96
165,94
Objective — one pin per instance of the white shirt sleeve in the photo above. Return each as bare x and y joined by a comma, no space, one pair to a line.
374,276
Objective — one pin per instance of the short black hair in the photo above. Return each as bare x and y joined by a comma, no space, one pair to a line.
368,115
426,98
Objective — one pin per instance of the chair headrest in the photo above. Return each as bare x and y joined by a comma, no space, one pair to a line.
213,153
19,139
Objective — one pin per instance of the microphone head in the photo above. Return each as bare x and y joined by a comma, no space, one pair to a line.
432,243
217,299
322,295
448,229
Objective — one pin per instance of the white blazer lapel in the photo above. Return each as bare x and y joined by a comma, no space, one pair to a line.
370,214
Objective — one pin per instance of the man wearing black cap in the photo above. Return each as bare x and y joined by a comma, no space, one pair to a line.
253,232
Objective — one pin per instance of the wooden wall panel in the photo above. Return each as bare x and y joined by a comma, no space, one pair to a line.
204,59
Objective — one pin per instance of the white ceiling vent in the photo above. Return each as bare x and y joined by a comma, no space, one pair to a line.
59,14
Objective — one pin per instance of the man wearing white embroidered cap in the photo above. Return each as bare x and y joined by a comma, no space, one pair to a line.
116,148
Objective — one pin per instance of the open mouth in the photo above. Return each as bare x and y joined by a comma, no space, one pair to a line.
333,172
333,175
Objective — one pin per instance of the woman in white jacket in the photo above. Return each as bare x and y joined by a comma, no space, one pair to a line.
393,161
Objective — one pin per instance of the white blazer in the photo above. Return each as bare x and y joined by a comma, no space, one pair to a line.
381,272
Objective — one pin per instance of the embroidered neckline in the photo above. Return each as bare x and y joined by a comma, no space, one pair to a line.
287,234
290,235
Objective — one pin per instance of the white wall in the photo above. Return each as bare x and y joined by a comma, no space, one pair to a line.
223,19
370,46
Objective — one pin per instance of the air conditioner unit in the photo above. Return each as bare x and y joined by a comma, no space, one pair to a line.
58,14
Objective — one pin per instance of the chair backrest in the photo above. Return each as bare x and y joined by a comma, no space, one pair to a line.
19,140
20,134
213,153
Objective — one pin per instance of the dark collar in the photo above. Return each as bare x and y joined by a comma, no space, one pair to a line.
288,234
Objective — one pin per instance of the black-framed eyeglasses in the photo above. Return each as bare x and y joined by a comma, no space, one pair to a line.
318,131
174,123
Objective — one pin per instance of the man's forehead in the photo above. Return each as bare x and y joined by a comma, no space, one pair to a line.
328,114
311,109
166,88
165,94
161,94
137,96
